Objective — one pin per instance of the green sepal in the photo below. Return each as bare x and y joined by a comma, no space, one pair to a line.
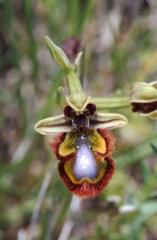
58,55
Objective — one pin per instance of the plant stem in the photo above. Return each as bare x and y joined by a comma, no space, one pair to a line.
74,208
109,103
39,201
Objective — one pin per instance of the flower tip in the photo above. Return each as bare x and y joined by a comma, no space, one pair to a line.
49,42
46,38
78,59
124,121
37,128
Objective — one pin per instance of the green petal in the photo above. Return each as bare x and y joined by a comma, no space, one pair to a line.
52,125
107,120
144,92
78,59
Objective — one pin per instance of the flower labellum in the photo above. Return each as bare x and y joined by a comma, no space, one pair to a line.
84,147
85,164
88,170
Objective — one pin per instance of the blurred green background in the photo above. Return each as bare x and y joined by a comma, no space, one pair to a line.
119,39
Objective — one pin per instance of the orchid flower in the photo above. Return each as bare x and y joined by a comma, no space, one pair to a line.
82,140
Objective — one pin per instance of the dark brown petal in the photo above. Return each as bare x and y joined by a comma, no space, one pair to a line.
69,112
72,47
146,107
91,108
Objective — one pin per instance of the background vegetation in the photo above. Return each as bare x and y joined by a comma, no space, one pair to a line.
120,43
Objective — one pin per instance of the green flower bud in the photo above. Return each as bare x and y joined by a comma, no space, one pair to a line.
144,99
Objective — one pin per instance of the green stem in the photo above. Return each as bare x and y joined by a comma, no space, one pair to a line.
73,82
109,103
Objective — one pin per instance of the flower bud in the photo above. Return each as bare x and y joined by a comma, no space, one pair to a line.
144,99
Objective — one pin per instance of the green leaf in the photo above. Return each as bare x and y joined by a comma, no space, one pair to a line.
154,148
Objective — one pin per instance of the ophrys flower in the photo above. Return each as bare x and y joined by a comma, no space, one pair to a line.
82,143
84,147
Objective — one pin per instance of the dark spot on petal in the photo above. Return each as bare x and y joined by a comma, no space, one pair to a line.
69,112
91,108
